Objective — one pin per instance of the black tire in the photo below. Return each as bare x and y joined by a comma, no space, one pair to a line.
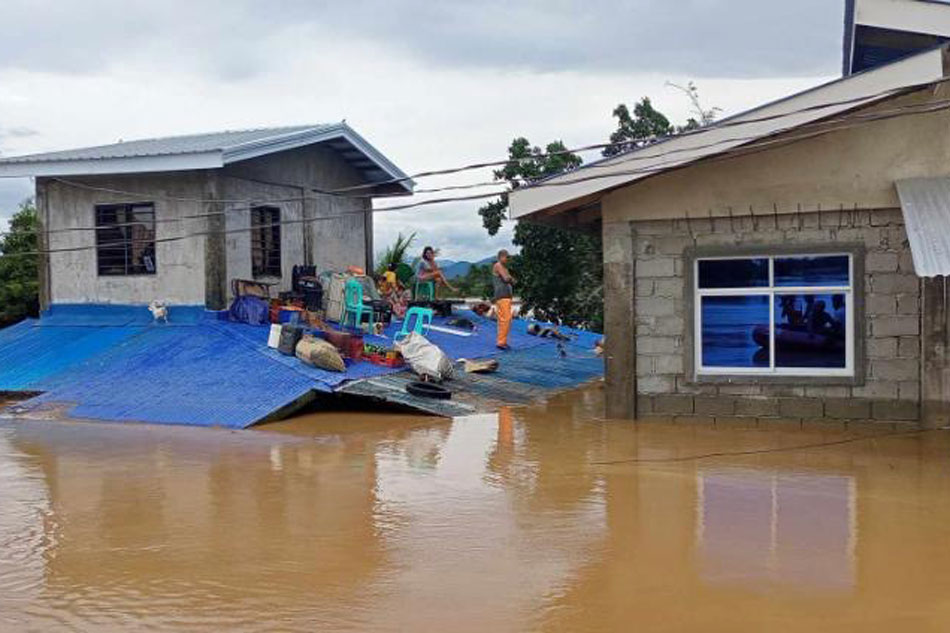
428,390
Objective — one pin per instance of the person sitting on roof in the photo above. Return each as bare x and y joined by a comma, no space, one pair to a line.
428,270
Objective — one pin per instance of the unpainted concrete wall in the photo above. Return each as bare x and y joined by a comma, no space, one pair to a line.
344,237
180,265
238,242
889,380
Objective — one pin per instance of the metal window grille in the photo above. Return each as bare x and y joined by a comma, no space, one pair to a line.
125,239
265,242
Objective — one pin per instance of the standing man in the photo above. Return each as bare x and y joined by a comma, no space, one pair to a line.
502,285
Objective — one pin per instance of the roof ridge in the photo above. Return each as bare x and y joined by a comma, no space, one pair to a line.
280,128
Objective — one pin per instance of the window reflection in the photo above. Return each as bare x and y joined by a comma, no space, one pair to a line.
780,529
735,331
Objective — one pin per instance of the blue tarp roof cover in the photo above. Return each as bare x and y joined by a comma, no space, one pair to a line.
113,363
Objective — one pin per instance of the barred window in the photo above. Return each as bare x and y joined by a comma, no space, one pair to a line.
265,242
125,239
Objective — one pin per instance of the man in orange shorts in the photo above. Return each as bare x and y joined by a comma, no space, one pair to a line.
502,283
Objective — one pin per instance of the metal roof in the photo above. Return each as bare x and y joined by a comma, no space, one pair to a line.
576,189
206,151
926,206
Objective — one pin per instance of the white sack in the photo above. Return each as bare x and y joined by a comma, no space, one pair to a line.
424,358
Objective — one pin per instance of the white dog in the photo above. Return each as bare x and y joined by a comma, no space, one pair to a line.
159,311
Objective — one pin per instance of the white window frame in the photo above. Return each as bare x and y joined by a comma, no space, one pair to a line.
771,291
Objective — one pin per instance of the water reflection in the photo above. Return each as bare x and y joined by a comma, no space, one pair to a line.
534,519
762,529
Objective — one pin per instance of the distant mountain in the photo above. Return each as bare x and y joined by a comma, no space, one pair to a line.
455,270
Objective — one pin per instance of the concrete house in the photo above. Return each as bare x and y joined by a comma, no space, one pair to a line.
176,218
788,262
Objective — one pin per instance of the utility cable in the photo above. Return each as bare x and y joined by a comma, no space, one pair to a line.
829,126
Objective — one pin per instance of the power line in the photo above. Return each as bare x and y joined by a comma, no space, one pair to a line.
640,144
827,125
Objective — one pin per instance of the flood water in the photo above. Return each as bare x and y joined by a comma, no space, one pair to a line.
541,519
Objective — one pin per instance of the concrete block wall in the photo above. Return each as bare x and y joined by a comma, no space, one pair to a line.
180,265
889,382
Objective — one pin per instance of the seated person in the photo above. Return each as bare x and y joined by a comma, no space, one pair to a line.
394,293
428,270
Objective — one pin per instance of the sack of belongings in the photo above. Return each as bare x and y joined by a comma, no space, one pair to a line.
319,353
249,309
424,358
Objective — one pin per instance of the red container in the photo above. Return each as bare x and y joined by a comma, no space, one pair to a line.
350,345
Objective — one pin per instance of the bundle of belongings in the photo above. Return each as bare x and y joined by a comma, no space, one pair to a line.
319,353
250,303
425,359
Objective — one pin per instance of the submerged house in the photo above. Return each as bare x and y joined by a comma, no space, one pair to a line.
790,261
174,219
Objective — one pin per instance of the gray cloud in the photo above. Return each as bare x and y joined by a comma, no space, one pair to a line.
238,39
17,132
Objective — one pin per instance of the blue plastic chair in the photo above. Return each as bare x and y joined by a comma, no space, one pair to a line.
424,291
421,319
353,305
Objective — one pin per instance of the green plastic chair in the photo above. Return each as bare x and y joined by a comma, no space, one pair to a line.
424,291
421,319
353,304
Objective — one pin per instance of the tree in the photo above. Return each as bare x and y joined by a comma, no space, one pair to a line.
644,126
476,282
19,283
701,116
560,273
395,253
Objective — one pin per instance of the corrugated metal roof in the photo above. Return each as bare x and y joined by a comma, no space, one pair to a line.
208,151
169,145
926,206
587,184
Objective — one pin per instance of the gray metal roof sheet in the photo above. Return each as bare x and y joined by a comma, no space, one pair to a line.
210,151
168,145
926,206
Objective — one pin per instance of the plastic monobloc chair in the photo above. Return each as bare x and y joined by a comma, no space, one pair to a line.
353,304
421,319
424,291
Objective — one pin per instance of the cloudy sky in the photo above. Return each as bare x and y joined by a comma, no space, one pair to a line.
431,84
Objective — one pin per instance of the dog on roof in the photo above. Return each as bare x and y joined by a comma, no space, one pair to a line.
159,311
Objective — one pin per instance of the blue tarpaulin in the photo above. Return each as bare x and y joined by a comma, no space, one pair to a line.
114,363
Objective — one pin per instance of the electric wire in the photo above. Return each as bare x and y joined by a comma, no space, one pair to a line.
826,127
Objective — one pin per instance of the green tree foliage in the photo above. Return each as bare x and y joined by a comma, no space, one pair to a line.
394,253
19,285
635,130
476,282
560,273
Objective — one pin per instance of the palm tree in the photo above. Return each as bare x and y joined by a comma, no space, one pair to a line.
395,254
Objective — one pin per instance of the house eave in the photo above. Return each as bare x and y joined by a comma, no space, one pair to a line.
103,166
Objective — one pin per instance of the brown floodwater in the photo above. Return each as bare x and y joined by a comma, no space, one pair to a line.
536,519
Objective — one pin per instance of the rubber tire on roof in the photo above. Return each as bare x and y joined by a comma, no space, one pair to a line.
428,390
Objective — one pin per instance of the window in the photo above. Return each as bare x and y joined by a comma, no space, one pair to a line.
125,239
265,242
781,315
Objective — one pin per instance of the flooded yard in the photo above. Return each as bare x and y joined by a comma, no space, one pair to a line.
539,519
